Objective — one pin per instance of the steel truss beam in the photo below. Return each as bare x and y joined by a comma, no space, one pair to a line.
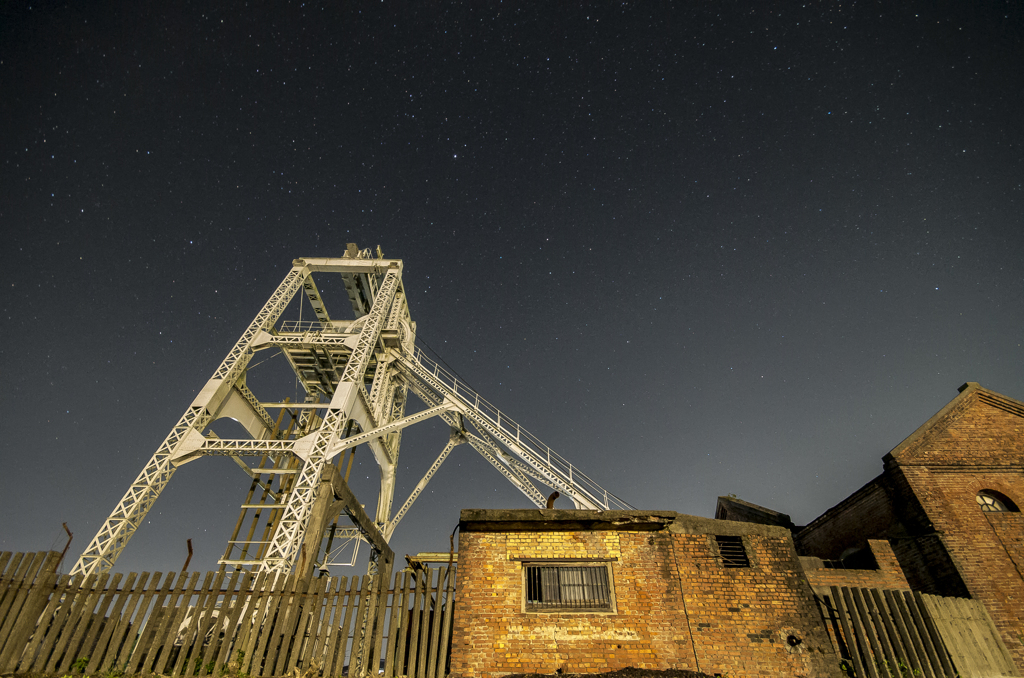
119,527
456,438
241,447
379,432
486,449
357,375
492,453
292,528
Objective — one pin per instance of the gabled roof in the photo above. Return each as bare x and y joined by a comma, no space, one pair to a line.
977,428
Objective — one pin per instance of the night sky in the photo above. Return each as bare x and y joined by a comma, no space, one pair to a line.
696,248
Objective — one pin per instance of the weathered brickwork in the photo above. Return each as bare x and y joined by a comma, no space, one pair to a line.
1009,529
745,619
981,545
889,574
978,446
493,635
677,606
980,429
849,524
669,583
921,550
925,503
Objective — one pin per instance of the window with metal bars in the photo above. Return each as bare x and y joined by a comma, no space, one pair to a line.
551,587
732,551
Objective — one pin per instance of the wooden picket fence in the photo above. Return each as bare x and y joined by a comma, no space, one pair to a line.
258,625
881,633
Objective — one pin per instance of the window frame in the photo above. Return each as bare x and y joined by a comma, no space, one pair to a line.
997,502
564,563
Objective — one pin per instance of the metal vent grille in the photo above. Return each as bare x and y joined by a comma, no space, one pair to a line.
732,552
561,587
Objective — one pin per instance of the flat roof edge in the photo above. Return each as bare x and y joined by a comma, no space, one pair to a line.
561,520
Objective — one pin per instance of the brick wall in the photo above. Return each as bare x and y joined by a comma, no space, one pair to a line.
986,548
866,514
886,509
889,574
492,635
742,618
1009,530
928,566
979,428
679,608
919,545
925,504
978,445
676,606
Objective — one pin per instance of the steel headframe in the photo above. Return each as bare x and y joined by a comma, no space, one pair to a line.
357,375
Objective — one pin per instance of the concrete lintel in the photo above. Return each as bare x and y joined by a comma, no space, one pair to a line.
684,524
560,520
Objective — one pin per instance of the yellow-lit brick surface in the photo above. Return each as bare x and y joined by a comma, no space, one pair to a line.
676,606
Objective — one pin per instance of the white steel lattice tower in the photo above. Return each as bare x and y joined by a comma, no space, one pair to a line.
357,376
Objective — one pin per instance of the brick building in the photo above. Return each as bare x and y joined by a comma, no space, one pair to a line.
947,502
585,591
592,591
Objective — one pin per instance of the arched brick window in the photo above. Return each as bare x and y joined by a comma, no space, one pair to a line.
990,500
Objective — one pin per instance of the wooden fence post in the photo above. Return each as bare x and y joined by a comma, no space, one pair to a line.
35,603
48,622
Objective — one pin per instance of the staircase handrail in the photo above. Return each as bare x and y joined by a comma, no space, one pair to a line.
564,468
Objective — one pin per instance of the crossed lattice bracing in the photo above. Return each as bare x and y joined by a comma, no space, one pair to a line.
358,376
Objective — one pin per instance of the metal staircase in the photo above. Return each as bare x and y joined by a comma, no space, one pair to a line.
529,455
